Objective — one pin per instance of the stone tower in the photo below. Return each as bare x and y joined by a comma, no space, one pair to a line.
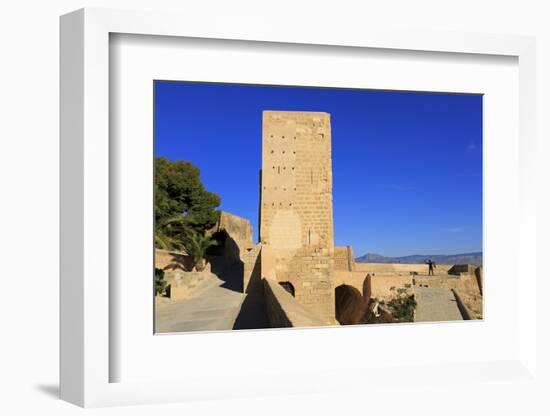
296,225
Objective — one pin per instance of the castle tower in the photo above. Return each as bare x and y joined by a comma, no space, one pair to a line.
296,223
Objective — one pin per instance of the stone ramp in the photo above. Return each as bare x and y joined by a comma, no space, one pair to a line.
434,304
216,308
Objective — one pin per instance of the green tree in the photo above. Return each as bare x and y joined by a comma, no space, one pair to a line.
182,204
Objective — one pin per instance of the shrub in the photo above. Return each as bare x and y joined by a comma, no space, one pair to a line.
402,304
160,283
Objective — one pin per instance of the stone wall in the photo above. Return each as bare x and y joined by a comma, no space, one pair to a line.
234,259
372,286
240,229
479,279
252,268
296,223
285,311
343,258
187,285
396,268
381,285
458,269
356,279
171,261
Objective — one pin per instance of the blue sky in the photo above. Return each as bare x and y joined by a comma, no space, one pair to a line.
407,166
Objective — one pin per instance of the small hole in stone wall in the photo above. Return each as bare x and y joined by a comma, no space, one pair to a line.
284,167
283,137
273,167
292,167
283,152
272,151
271,136
288,287
289,205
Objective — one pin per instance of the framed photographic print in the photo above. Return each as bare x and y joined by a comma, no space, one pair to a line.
245,208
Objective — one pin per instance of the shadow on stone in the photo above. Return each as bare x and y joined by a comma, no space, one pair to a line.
253,312
226,262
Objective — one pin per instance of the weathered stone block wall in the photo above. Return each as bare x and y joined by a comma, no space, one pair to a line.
186,285
359,280
396,268
479,278
343,258
237,227
252,268
285,311
296,222
170,261
458,269
381,285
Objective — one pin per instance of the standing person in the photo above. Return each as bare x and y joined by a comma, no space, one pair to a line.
431,267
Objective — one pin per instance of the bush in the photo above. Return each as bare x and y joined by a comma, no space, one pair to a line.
402,305
160,283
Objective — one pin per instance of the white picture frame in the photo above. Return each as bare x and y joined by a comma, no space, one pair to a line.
85,211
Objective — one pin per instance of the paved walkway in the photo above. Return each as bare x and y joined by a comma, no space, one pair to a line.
434,304
215,308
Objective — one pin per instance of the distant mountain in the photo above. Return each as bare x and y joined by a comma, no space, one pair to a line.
466,258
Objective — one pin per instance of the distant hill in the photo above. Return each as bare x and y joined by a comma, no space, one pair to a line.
466,258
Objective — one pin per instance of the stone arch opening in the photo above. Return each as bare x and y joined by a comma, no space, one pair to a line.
350,305
289,287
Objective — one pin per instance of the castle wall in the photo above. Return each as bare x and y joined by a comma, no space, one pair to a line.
237,227
458,269
296,223
343,258
285,311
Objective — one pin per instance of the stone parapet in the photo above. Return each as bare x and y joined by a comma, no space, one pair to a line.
284,311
